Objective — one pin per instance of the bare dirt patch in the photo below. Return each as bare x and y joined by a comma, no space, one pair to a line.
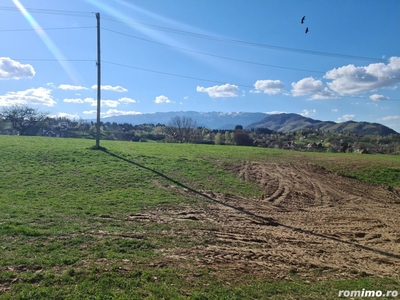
309,221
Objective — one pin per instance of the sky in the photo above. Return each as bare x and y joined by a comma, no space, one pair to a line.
204,55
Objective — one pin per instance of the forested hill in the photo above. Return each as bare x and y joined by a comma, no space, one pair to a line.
295,122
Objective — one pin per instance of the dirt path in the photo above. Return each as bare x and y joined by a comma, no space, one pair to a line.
309,221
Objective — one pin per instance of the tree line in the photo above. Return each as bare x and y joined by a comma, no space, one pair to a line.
24,120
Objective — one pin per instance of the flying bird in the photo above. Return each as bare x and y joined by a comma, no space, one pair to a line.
306,29
302,19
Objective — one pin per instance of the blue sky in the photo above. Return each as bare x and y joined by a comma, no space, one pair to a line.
204,55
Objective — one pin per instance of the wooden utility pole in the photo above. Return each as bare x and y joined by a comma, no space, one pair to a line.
98,82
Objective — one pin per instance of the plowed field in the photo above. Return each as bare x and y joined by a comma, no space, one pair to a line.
309,221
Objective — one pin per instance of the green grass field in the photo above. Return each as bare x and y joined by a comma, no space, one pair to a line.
65,230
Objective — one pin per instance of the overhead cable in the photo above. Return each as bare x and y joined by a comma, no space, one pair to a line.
220,82
46,29
247,43
229,58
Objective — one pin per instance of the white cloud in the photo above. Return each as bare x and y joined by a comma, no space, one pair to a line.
313,87
376,97
90,100
40,96
107,103
126,100
104,103
117,88
11,69
115,112
346,118
70,100
112,112
65,115
335,110
270,87
308,113
69,87
353,80
162,99
390,118
220,91
90,112
275,112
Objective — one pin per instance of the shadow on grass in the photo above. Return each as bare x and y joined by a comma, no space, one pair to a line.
268,221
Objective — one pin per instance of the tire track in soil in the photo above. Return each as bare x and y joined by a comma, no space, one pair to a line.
336,225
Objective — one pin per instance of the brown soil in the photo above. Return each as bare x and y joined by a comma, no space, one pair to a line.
309,221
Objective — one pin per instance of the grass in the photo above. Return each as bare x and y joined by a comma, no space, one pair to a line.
376,169
64,219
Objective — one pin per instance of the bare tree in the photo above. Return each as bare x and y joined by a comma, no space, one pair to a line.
181,129
22,118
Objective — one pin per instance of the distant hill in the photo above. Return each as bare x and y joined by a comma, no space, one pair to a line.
285,122
212,120
295,122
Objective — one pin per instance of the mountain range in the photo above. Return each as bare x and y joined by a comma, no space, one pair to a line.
284,122
211,120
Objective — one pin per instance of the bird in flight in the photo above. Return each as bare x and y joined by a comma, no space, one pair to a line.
306,29
302,19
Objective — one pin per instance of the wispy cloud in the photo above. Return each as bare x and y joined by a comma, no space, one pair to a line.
126,100
115,112
390,118
90,112
308,113
68,87
112,112
376,97
91,101
346,118
117,88
275,112
66,115
73,100
104,103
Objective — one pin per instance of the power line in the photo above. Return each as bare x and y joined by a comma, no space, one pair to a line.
259,45
49,11
46,29
54,60
221,82
229,58
212,55
253,44
194,34
172,74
